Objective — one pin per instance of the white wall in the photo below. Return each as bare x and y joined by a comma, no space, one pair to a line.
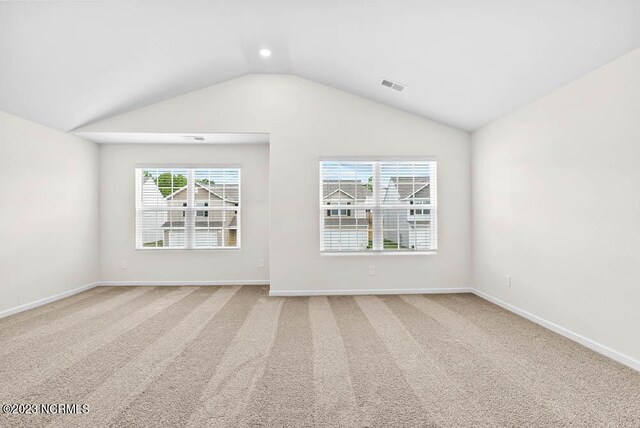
305,121
556,204
117,216
49,212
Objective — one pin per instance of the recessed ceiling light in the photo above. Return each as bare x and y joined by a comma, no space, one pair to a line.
265,52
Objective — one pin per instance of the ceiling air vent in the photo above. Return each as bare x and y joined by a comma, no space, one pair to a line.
393,85
194,137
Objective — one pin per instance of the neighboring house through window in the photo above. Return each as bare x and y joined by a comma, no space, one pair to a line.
338,213
381,197
188,208
418,212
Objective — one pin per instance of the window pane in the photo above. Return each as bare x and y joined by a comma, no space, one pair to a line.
404,230
173,232
159,186
405,183
160,229
347,183
347,238
224,185
344,233
218,228
151,224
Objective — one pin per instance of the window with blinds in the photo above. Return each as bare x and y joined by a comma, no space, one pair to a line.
188,208
378,206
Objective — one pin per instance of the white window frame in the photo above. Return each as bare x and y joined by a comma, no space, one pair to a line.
377,207
190,210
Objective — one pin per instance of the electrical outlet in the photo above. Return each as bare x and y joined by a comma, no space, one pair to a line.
261,263
123,264
507,282
372,270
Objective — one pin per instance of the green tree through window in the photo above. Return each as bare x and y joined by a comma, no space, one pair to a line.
168,183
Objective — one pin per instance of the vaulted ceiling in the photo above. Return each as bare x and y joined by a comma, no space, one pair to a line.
464,62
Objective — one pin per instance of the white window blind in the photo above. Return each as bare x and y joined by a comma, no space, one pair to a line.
378,206
187,208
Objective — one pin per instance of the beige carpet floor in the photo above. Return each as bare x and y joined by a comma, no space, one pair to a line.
232,356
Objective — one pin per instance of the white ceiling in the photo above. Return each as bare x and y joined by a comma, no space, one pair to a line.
465,62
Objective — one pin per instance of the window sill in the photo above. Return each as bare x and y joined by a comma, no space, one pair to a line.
378,253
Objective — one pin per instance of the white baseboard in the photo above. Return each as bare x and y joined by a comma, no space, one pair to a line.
188,283
46,300
591,344
372,291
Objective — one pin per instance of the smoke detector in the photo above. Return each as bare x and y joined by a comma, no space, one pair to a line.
393,85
